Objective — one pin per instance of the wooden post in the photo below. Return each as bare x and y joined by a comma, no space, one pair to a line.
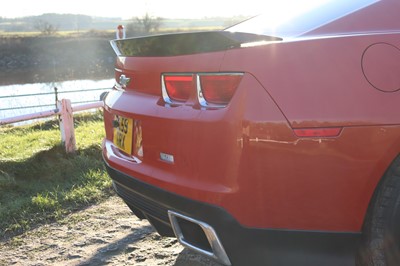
67,125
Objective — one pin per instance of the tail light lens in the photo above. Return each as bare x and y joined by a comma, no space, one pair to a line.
218,89
213,90
177,88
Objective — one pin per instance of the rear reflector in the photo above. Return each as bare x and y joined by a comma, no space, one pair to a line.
318,132
179,88
219,89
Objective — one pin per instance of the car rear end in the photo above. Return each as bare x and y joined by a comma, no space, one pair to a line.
234,143
175,142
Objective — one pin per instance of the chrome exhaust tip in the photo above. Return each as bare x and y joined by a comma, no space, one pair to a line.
198,236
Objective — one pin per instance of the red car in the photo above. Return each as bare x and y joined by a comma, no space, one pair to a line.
273,142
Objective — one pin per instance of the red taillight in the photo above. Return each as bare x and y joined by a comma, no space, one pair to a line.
318,132
179,88
219,89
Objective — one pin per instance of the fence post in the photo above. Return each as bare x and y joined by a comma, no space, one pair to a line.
56,95
67,125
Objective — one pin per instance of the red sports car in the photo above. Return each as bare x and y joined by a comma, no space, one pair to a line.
273,142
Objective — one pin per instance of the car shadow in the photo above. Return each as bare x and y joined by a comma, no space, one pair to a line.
124,245
189,257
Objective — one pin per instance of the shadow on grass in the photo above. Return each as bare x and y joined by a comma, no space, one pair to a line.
48,186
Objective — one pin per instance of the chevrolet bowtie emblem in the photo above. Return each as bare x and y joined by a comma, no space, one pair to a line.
124,81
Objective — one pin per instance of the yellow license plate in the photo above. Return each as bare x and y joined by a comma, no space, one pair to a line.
123,134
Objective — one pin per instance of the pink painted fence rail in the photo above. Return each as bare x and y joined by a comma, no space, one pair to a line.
65,111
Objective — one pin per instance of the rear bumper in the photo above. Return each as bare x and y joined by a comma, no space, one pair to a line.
243,245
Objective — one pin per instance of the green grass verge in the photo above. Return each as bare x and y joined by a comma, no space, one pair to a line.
39,182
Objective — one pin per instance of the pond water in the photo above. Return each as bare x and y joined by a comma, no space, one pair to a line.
30,98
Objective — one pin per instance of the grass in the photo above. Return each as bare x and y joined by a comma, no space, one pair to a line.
39,182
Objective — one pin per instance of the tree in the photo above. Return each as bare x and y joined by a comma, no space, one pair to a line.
45,27
143,26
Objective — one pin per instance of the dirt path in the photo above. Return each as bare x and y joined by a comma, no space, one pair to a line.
104,234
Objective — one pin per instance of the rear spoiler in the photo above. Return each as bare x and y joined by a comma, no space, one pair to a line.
185,43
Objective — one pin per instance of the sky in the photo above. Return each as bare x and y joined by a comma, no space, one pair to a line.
127,9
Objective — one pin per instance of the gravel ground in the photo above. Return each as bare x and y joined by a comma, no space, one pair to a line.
104,234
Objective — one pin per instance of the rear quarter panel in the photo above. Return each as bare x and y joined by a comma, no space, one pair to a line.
320,183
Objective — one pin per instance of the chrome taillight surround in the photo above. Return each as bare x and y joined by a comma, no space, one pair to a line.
201,100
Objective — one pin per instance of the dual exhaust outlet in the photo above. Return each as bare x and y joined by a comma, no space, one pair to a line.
198,236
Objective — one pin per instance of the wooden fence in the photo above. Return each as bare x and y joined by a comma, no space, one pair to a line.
65,111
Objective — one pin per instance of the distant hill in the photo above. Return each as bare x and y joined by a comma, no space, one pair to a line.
63,22
72,22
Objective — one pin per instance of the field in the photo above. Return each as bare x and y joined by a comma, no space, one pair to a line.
39,182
